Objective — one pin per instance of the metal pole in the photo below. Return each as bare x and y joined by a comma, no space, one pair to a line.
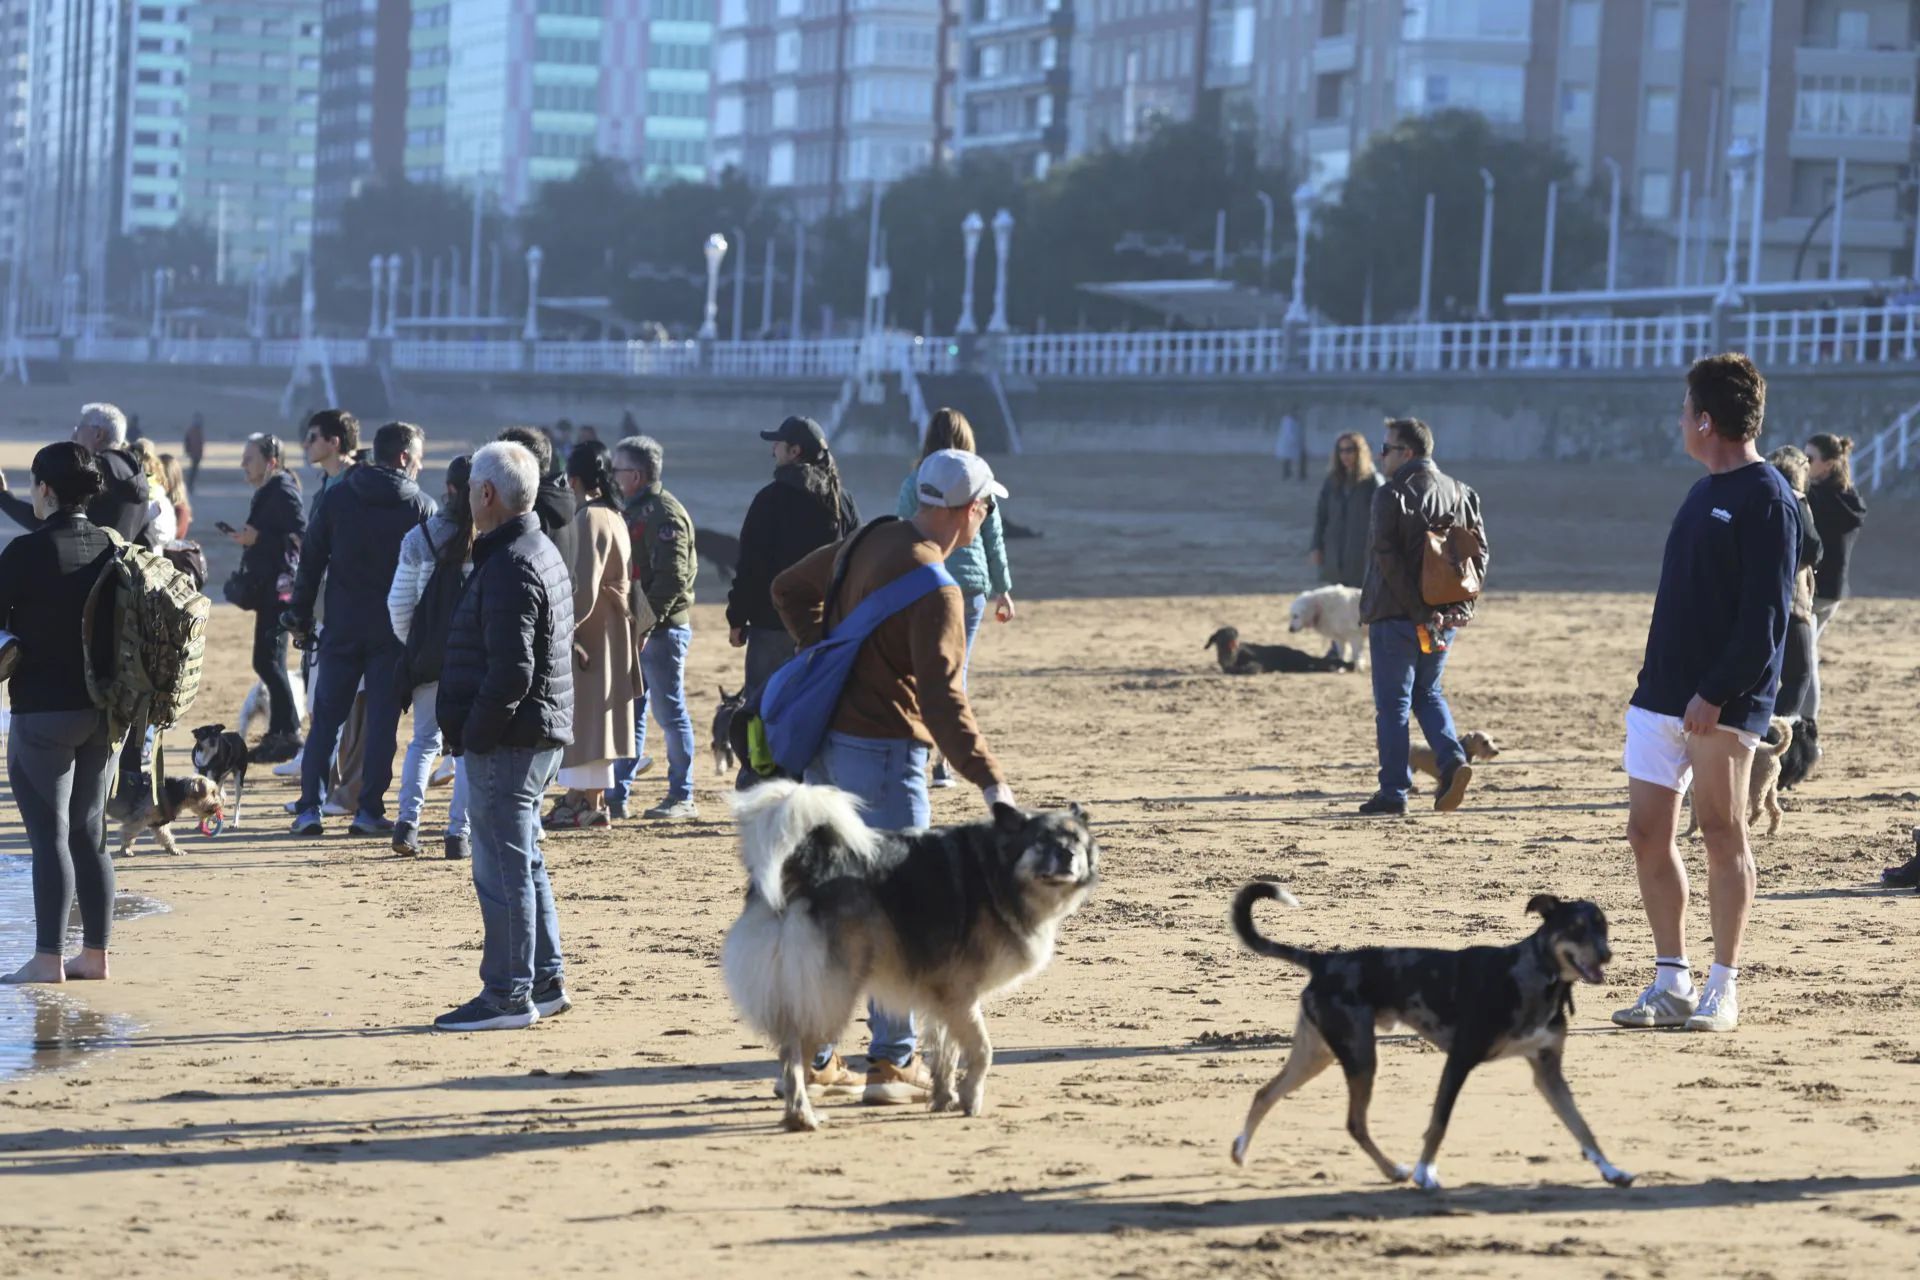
1546,253
473,255
1686,226
796,324
1219,244
1266,240
413,311
970,228
1486,249
1426,262
739,280
1839,219
766,293
375,266
531,331
493,284
393,293
1760,146
1613,225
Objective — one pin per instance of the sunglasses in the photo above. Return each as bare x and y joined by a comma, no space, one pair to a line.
1391,448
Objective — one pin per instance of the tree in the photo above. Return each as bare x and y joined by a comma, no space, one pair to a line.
1369,240
385,218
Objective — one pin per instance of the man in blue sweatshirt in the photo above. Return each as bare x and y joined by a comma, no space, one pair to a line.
1707,689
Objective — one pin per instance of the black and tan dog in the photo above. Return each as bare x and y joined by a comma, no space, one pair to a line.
219,753
725,763
194,797
1477,1004
1240,658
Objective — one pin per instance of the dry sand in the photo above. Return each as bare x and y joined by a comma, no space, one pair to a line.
282,1110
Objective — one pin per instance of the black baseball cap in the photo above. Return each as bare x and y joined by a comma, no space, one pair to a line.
804,432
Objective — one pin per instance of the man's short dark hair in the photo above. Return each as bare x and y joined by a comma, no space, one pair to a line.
1413,433
535,441
338,426
394,439
1731,392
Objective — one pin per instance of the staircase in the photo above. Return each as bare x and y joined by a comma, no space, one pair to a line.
1888,454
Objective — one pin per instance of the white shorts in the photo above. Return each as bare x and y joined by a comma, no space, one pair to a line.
1657,748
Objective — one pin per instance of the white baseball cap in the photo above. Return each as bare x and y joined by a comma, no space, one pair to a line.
952,478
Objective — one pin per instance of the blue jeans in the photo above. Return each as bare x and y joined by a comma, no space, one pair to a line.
417,766
976,613
663,664
342,665
1405,679
890,775
521,947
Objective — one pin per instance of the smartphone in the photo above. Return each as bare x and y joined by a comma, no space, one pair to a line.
224,527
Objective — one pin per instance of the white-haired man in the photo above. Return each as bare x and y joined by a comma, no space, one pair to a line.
506,709
122,505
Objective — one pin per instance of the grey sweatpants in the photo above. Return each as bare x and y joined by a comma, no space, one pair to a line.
61,764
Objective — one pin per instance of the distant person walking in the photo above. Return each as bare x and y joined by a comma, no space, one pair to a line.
59,758
1290,447
804,507
1408,640
1838,514
663,568
269,558
195,447
435,559
1342,546
1706,692
605,649
506,708
979,564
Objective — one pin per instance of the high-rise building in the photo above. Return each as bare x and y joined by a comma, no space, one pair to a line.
15,41
248,161
362,123
1016,80
428,53
828,97
1135,62
156,116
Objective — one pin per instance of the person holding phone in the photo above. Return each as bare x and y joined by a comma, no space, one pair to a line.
270,553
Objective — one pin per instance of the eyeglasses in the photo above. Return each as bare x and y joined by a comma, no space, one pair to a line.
1390,448
1349,448
626,471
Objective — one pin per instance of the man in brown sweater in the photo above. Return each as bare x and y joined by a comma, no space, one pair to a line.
906,693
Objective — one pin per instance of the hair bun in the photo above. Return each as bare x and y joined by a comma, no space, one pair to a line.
1846,445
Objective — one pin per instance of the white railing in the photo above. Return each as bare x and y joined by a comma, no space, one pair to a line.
1852,335
1894,449
458,357
111,350
1647,342
784,358
207,351
622,359
1200,353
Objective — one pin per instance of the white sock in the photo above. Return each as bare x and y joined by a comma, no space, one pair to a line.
1673,973
1721,978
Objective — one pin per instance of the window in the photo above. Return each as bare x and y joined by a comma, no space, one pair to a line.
1656,193
1664,26
1746,26
1583,24
1745,114
1661,111
1851,30
1332,96
1576,107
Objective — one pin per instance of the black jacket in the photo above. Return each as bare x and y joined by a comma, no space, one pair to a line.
281,522
121,506
555,506
45,578
1418,496
788,518
507,677
353,544
1341,529
1838,514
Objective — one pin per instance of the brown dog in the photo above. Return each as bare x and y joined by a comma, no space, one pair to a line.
1763,783
194,796
1477,745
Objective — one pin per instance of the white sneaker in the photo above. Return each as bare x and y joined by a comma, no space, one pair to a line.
1656,1008
333,810
442,772
287,768
1719,1011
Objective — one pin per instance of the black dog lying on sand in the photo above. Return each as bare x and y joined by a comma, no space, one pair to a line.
1238,658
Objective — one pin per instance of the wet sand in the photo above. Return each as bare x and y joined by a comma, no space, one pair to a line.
284,1111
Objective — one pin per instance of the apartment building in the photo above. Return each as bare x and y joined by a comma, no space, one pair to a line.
1015,81
1134,62
156,111
15,43
829,97
362,122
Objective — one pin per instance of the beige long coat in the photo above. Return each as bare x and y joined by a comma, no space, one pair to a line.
605,688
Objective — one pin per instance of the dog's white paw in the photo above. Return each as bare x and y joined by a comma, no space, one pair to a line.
1401,1172
943,1100
1240,1149
1426,1177
800,1122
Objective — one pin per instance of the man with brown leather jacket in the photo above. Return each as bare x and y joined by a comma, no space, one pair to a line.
1408,639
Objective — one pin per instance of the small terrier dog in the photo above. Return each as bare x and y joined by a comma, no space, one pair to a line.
193,796
1477,745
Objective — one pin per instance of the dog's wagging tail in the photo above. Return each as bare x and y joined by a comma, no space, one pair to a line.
1260,944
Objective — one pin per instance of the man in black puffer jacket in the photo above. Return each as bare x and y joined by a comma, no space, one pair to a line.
353,544
1407,638
506,710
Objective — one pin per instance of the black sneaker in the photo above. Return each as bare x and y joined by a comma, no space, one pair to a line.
276,748
365,824
1453,788
457,849
482,1014
1384,806
406,839
551,999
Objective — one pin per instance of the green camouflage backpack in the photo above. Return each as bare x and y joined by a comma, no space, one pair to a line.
159,640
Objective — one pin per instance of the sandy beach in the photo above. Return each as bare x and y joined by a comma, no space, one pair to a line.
264,1098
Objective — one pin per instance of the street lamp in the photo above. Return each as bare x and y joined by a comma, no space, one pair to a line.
1266,239
739,279
1486,248
393,293
531,331
159,302
971,228
716,250
1613,224
1002,246
1739,161
376,268
1304,200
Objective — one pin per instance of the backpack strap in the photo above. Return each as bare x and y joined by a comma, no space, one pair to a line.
845,559
893,597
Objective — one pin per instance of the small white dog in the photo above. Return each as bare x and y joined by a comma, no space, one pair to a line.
1333,611
255,707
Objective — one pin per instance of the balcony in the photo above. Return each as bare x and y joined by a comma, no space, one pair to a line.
1333,53
1864,116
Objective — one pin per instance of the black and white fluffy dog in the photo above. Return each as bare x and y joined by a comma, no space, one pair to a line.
932,921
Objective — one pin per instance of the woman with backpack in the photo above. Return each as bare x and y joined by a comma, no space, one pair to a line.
270,542
60,760
435,558
606,649
980,567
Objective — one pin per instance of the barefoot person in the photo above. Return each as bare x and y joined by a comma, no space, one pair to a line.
1715,649
59,757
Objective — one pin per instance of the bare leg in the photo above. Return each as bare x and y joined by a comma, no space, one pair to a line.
1722,768
1548,1078
970,1030
1426,1174
1309,1058
90,965
1653,814
799,1117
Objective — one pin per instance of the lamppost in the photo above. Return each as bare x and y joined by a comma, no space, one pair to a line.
1613,224
1266,239
159,302
795,323
1303,203
1739,160
393,293
1546,249
1426,262
306,299
377,268
739,279
257,300
531,332
716,250
1002,246
1485,309
970,228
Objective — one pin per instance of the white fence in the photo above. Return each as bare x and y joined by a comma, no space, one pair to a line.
1200,353
1893,450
